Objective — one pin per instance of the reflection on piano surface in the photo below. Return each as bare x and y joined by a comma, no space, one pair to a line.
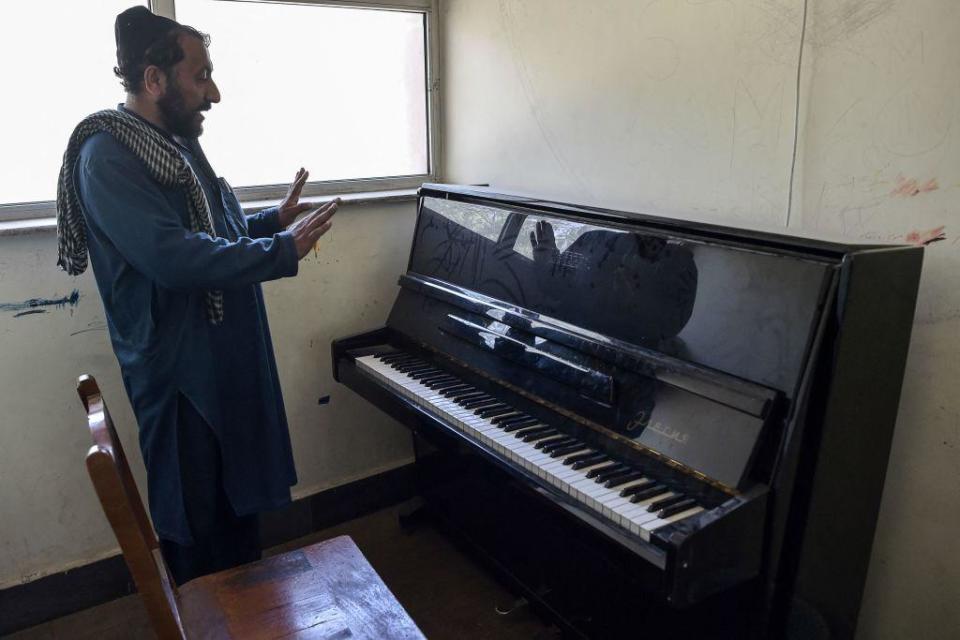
647,424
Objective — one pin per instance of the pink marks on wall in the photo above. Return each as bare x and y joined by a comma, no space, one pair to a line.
909,188
923,238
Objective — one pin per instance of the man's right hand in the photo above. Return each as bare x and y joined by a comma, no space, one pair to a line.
308,229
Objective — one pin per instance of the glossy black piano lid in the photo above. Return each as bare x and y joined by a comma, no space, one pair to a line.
741,311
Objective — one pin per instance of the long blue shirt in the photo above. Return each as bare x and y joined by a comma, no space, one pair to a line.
153,274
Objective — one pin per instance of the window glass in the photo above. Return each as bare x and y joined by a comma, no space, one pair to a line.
339,91
58,65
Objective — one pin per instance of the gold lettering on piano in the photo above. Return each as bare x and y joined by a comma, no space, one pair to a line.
669,432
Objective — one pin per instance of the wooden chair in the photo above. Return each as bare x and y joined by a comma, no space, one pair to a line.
326,590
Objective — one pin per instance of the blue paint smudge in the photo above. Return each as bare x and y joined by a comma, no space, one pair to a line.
33,303
324,400
27,313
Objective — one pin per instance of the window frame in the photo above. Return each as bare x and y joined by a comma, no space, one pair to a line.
320,188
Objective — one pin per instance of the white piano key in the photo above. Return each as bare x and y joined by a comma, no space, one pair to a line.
648,527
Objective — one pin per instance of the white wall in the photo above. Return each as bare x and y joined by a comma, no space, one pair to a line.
49,515
686,108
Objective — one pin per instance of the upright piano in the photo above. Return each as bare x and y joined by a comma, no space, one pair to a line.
646,426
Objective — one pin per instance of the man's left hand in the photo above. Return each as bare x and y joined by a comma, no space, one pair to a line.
290,207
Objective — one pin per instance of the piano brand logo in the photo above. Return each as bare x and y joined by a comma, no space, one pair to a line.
669,432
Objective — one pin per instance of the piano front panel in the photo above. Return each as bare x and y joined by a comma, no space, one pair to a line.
678,295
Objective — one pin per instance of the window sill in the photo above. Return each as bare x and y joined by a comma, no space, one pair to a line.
35,225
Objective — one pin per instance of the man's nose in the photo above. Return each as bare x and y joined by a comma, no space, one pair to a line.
214,94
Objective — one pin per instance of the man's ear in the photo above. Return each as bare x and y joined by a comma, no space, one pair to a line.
154,81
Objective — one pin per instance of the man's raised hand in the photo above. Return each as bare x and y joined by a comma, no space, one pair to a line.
290,206
308,229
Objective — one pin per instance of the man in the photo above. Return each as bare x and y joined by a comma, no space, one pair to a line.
178,266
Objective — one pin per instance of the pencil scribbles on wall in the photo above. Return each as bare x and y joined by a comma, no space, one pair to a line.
96,325
836,21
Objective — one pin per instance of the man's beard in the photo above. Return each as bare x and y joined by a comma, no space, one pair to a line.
180,120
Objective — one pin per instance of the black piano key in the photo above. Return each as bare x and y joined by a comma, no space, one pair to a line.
549,445
476,410
478,406
545,440
623,478
582,456
637,488
477,402
666,502
407,362
440,384
396,354
420,376
529,435
440,388
476,394
589,462
437,374
510,427
459,389
677,507
393,357
553,446
540,444
421,370
593,473
516,415
612,472
445,383
414,368
471,393
523,431
562,451
425,369
649,492
496,410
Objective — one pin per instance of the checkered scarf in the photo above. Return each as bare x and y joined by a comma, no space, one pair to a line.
164,162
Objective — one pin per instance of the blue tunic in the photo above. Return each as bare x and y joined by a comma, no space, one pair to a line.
152,273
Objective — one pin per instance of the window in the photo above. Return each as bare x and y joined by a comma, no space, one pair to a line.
58,67
340,87
339,90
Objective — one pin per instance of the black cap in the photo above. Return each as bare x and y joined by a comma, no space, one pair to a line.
136,30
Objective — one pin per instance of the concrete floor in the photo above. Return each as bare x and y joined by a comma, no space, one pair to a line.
446,594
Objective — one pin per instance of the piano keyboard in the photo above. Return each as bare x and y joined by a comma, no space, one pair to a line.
620,493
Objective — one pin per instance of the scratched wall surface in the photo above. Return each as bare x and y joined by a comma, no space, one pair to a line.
49,515
686,108
675,107
881,143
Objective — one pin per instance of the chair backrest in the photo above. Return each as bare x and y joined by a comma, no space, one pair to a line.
123,507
